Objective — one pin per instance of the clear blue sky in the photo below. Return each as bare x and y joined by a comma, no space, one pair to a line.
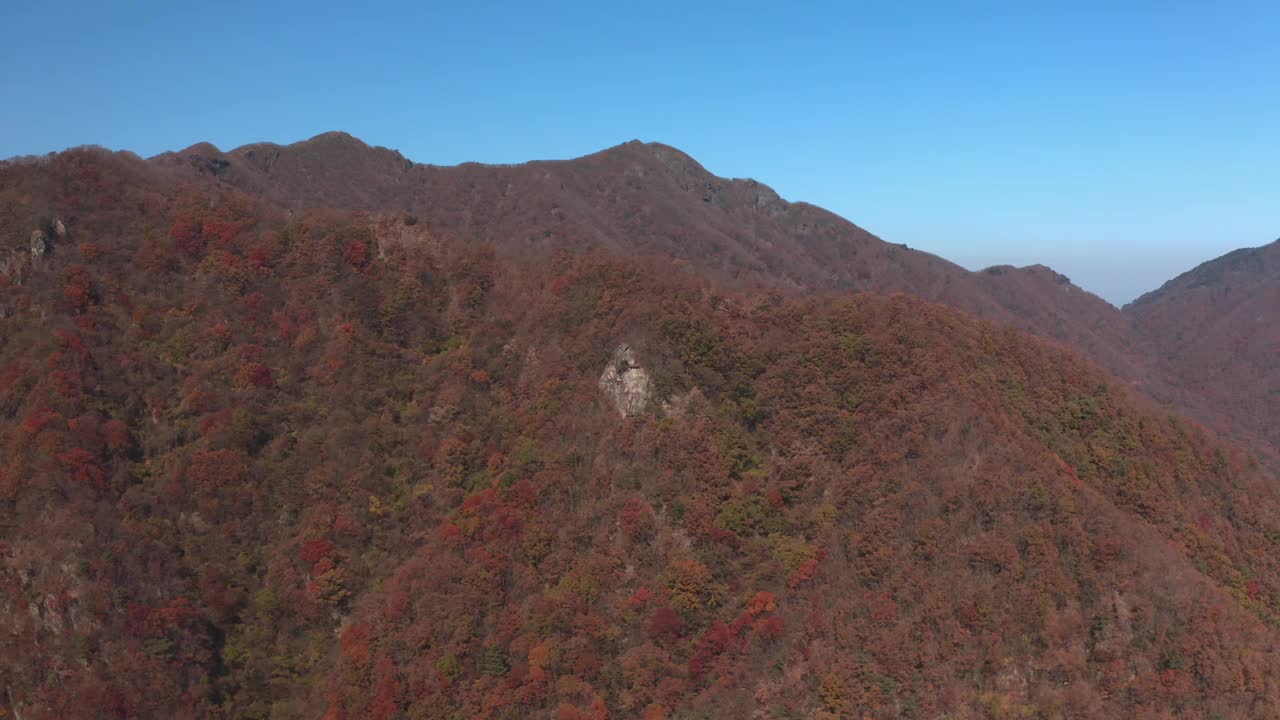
1118,142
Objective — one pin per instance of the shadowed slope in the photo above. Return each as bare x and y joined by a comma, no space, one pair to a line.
1217,330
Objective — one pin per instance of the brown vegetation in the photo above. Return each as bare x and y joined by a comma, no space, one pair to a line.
269,451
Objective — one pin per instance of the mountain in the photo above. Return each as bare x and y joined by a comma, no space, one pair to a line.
1216,333
654,200
317,432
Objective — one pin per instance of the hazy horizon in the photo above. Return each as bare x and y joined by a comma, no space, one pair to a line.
1121,147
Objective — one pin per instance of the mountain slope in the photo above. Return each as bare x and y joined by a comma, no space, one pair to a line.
1215,331
654,200
263,463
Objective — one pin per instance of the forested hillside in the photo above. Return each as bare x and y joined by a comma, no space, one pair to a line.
652,200
1217,335
261,459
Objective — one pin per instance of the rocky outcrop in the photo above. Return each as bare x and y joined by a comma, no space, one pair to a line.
625,383
12,264
39,243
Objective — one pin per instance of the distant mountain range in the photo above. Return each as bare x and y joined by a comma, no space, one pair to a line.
316,431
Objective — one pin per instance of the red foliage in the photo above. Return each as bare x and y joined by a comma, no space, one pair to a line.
77,287
654,712
186,234
975,486
255,375
636,517
74,343
254,308
775,499
803,574
387,693
356,253
83,465
769,628
216,422
38,420
567,711
396,605
344,525
762,602
449,531
213,470
221,231
714,642
666,622
355,644
639,598
149,621
1253,588
313,550
259,258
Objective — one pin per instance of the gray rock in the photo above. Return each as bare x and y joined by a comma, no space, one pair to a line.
12,264
39,243
625,383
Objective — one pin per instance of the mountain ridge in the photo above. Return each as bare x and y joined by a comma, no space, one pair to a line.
740,228
653,199
1213,270
264,458
635,157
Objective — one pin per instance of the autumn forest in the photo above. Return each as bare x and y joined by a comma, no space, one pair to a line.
317,432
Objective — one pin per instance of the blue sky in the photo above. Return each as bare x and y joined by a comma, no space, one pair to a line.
1120,143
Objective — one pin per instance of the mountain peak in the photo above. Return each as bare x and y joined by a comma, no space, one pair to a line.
339,135
660,154
204,148
333,138
1036,271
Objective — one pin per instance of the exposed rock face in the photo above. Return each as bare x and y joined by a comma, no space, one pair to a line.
59,229
213,166
39,243
12,263
626,383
